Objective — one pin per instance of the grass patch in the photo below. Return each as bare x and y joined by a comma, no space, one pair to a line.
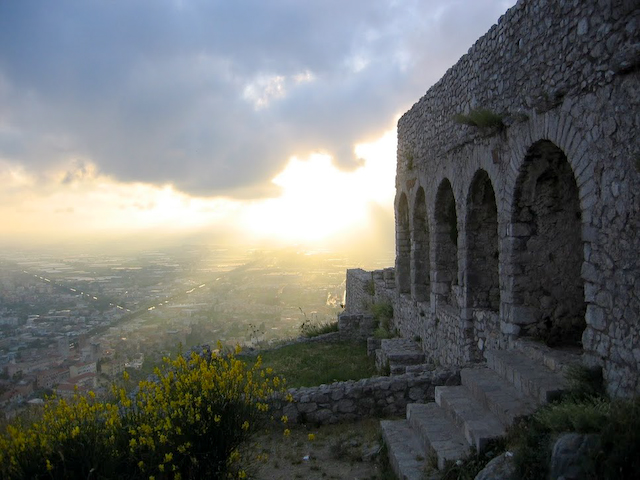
310,364
311,330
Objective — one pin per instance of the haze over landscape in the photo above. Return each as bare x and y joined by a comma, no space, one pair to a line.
237,122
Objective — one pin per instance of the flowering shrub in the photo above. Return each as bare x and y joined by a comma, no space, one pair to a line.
186,424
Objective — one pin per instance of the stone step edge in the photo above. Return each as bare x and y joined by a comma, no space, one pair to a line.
480,426
439,436
554,359
404,447
500,397
526,375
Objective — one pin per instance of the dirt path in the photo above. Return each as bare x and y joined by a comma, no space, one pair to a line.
346,451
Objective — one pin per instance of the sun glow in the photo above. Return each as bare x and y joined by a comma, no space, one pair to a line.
317,201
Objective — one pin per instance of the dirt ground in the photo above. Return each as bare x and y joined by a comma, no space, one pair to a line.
345,451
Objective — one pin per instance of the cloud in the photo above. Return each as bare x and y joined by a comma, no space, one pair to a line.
215,97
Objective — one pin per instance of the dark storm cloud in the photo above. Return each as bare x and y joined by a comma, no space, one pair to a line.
156,91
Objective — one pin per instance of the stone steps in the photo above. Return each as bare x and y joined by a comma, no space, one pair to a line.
439,436
555,359
527,376
398,353
404,446
497,395
511,385
479,425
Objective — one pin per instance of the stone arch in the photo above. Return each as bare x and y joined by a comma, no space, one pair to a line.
446,243
482,279
403,246
548,290
420,245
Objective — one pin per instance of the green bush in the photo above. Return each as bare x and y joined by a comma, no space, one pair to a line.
188,423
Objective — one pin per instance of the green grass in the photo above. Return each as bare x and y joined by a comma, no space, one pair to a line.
310,330
310,364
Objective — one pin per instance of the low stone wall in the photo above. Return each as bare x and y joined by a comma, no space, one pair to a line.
369,397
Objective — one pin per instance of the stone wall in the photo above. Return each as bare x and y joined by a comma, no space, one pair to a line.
526,222
366,288
369,397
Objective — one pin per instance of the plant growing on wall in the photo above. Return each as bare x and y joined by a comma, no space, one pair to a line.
480,118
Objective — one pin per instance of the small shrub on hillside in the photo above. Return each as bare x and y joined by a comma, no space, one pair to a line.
186,424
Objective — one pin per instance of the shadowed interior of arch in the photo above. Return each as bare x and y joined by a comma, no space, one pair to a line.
548,250
482,245
446,243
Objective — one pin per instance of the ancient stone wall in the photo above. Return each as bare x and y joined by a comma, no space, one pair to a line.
353,400
518,191
366,288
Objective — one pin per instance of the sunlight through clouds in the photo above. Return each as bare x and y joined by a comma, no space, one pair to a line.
319,201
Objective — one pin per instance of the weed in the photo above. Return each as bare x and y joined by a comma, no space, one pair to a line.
370,287
310,330
480,118
585,382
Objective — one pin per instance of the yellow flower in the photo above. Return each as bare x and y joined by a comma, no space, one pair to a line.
311,437
161,467
49,466
125,375
284,419
75,432
168,457
242,474
245,426
287,432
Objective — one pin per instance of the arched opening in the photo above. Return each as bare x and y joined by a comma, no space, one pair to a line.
483,285
403,246
548,250
446,243
420,249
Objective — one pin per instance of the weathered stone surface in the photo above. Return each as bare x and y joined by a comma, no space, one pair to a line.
571,454
524,220
348,401
500,468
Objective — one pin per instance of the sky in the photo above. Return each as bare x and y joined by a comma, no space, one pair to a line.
248,120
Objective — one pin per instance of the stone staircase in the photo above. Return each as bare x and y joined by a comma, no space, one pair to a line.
399,354
468,417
